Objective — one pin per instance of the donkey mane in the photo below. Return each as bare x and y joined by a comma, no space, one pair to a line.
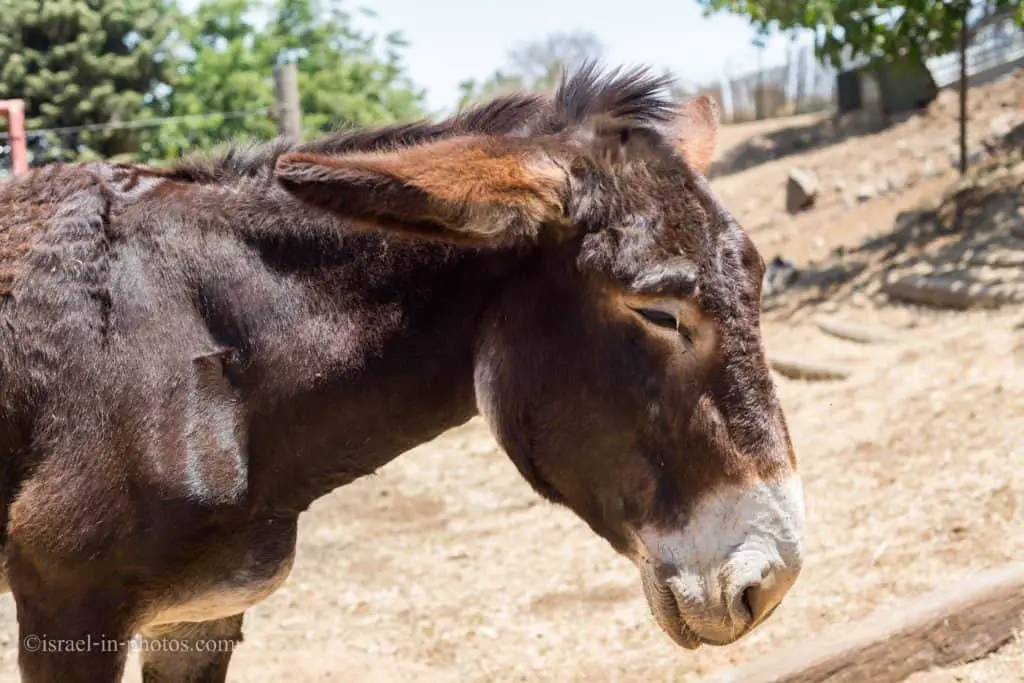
636,96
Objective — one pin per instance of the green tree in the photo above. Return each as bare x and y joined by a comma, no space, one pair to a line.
219,69
342,77
878,29
881,30
229,58
81,62
536,66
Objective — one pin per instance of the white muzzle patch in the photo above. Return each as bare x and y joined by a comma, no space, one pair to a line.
731,563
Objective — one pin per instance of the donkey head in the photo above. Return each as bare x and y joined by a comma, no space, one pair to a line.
621,367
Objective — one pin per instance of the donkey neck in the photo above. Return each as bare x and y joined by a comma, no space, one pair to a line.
362,348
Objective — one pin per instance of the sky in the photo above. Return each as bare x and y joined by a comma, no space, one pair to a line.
452,40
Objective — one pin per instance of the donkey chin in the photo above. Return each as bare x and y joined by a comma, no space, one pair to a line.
728,567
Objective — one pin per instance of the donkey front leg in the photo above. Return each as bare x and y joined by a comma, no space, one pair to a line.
70,634
190,652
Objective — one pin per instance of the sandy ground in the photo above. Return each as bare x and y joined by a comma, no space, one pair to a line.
446,567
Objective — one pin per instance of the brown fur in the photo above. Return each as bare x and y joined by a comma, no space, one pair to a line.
191,357
467,189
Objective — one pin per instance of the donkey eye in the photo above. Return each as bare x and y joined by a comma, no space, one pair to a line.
656,317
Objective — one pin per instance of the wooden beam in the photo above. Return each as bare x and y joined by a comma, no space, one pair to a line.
953,624
945,292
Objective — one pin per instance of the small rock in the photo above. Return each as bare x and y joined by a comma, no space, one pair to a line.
1001,125
778,275
801,190
829,306
929,169
865,193
897,181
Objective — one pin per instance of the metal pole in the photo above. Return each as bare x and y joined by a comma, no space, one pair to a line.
964,38
289,114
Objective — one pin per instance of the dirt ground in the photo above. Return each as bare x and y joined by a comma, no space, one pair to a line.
446,567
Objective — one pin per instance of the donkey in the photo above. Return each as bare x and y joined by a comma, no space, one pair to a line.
190,356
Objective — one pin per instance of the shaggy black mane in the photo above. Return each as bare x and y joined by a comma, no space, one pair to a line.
637,96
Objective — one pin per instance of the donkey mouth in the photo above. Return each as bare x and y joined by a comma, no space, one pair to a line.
665,610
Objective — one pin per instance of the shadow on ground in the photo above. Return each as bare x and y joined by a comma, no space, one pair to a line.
827,131
974,232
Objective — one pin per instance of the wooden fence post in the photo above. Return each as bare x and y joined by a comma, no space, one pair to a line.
15,110
287,110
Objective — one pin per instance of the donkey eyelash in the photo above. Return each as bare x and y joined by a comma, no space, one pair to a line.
659,318
665,320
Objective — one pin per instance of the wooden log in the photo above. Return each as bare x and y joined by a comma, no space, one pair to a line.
794,368
953,624
944,292
854,332
999,258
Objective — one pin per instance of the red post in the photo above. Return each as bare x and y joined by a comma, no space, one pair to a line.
15,111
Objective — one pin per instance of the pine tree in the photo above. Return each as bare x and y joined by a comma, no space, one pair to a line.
81,62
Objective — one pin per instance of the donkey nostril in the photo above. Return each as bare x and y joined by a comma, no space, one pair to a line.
748,598
758,600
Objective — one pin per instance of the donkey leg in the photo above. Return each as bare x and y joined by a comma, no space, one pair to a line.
190,652
70,636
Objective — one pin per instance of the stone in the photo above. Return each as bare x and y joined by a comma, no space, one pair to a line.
801,190
1001,125
898,180
865,193
779,275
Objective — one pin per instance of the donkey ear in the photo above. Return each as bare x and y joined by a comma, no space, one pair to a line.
473,190
696,130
